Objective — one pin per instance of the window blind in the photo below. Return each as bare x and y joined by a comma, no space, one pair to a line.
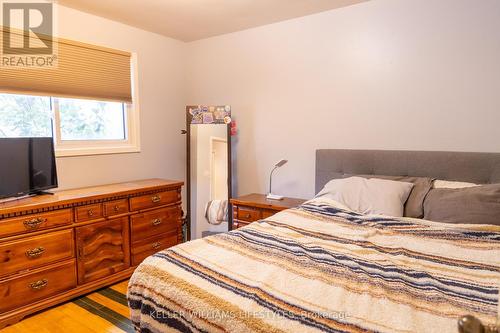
82,71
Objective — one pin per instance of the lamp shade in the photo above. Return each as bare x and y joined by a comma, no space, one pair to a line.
281,163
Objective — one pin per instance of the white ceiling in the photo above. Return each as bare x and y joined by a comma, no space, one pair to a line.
190,20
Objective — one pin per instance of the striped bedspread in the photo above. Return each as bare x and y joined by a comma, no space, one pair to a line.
322,268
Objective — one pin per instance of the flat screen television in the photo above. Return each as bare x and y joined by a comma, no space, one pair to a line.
27,166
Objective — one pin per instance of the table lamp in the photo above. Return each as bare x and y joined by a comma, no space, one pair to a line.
270,195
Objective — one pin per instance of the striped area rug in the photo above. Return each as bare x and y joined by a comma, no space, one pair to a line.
109,304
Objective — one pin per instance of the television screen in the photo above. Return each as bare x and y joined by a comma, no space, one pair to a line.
28,165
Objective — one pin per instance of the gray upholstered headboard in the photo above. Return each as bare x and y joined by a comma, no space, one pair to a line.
479,168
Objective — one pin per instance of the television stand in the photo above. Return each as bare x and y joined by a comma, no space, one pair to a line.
90,238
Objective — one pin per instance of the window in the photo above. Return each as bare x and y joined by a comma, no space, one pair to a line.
25,116
91,120
88,103
79,127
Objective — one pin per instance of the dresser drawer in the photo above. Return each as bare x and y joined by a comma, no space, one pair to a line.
149,246
155,222
116,207
89,212
154,200
248,214
29,288
35,222
35,251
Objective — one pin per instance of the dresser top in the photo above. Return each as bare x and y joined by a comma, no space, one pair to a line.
86,194
260,200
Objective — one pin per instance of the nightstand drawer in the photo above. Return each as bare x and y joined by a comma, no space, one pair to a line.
248,214
268,213
254,207
239,224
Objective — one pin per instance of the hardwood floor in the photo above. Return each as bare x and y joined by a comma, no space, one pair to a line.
104,311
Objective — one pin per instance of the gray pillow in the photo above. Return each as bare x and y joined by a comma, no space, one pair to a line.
414,206
474,205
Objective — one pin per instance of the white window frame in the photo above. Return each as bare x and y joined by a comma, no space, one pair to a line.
131,144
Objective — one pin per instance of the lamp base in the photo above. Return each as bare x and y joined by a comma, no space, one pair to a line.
271,196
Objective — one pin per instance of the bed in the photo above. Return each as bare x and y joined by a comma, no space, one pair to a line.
321,267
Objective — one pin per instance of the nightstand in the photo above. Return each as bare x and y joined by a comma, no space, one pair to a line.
253,207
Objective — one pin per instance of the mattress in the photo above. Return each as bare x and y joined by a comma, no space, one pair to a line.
322,268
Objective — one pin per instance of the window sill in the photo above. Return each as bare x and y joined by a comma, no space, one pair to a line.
88,151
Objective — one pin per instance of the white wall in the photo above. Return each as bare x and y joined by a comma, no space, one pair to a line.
162,99
385,74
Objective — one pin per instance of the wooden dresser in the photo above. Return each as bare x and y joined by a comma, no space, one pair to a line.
56,247
254,207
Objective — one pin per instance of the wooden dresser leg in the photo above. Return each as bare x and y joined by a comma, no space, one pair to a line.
10,320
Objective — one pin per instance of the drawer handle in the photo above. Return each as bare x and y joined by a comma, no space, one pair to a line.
34,223
81,253
247,216
37,285
35,253
90,212
156,222
116,208
156,245
155,199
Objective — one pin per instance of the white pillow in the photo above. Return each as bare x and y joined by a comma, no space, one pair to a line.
449,184
369,196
